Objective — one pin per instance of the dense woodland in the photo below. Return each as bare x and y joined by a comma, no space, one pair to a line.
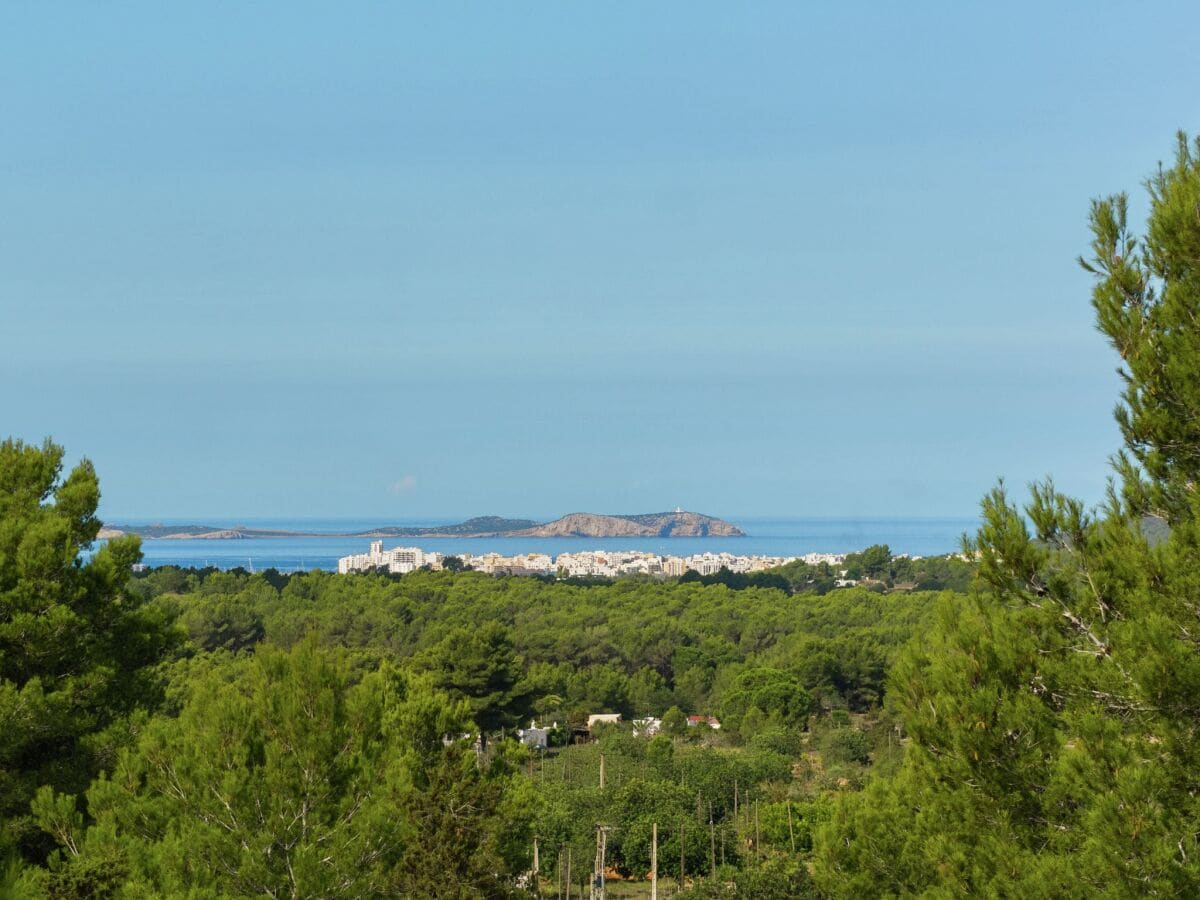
1021,725
332,664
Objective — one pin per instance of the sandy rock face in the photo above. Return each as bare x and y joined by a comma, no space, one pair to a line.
671,524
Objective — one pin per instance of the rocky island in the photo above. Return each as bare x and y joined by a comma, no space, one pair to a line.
669,524
679,523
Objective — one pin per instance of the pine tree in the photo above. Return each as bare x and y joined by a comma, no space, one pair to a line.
75,646
1147,299
480,666
287,774
1054,714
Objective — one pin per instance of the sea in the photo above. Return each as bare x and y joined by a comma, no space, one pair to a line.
764,537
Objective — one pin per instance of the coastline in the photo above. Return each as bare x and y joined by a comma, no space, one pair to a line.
677,524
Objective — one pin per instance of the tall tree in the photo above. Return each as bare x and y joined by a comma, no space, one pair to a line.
480,666
75,646
772,692
1147,300
1054,715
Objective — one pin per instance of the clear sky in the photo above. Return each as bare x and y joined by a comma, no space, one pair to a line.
403,260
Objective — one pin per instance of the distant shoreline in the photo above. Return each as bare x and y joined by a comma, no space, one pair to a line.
664,525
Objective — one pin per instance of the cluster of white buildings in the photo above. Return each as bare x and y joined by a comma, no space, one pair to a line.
537,736
833,559
611,563
584,564
398,560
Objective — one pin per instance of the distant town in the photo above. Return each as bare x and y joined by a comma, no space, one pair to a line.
583,564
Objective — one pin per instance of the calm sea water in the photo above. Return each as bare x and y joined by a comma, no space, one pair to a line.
765,537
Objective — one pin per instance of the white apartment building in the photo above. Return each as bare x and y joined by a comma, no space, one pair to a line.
398,560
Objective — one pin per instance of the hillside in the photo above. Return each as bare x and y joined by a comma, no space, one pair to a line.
667,524
479,526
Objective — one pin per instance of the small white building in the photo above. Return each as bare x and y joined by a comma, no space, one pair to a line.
534,737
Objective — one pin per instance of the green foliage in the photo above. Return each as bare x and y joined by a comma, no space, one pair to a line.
784,741
674,722
76,649
1053,723
1146,298
480,666
874,562
845,745
738,581
777,878
291,779
703,792
223,623
780,877
294,743
633,648
639,804
777,695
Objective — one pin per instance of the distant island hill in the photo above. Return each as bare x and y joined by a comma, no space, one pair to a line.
589,525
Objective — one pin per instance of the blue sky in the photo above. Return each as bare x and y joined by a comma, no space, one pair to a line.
401,260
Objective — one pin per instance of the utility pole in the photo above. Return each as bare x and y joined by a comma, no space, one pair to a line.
681,827
568,873
654,862
757,833
712,844
598,891
537,890
601,771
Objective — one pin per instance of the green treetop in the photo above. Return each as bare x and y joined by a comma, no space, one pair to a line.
480,666
75,647
286,775
1147,300
1055,731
